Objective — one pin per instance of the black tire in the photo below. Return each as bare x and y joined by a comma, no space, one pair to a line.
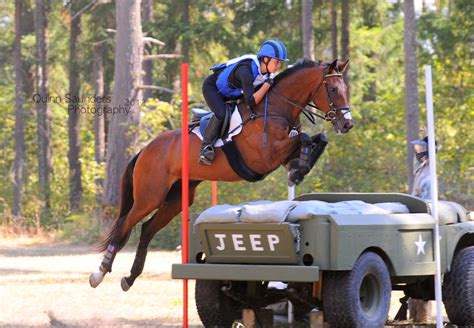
360,297
458,288
215,308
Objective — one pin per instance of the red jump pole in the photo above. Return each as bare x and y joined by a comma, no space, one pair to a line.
214,193
185,185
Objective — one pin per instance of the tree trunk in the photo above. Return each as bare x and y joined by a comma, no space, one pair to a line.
99,118
123,129
412,115
148,64
19,162
307,28
334,28
42,108
371,19
181,46
186,40
371,93
29,67
75,173
345,37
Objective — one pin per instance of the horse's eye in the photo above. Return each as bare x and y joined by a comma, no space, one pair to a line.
332,89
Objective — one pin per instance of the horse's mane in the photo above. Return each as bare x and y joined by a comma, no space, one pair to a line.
300,63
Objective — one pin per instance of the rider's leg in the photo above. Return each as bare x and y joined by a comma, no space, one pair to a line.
209,138
216,103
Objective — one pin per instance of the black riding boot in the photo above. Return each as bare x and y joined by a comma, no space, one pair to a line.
209,138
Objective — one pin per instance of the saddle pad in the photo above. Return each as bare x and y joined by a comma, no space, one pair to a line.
235,121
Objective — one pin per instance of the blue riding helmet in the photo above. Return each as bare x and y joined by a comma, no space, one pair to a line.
273,49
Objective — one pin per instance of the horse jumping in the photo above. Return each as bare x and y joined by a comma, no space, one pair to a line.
152,179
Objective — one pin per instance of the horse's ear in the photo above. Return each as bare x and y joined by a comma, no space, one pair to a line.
342,66
332,66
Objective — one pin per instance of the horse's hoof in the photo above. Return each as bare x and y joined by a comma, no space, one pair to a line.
124,284
95,279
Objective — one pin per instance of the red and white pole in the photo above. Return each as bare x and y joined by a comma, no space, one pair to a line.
185,185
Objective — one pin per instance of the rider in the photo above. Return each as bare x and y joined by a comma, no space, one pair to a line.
236,78
422,182
420,310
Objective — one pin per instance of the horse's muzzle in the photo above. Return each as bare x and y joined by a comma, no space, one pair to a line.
342,122
347,126
343,125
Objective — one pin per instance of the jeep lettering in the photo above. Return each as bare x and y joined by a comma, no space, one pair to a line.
255,240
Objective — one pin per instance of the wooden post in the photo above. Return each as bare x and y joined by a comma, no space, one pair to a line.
317,319
249,318
420,310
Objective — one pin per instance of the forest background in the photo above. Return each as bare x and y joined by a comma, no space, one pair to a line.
53,164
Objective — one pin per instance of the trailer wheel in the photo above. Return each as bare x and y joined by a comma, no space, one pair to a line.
458,288
360,297
214,307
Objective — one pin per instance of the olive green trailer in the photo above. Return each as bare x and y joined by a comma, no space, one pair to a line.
345,264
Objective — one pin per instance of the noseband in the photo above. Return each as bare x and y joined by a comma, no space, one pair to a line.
331,115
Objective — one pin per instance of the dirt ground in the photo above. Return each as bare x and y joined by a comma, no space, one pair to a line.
44,284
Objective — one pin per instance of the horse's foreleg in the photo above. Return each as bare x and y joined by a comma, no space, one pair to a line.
320,142
160,219
311,149
299,167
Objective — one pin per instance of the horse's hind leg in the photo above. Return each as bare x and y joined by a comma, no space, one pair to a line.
145,203
118,240
160,219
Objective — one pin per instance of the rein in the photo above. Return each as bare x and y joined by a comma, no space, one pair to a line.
331,115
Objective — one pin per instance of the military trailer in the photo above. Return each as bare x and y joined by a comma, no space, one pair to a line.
343,263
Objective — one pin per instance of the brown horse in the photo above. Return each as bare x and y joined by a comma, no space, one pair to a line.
152,180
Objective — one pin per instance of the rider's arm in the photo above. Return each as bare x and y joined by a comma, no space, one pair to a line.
243,74
260,93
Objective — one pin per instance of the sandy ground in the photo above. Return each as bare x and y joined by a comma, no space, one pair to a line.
46,284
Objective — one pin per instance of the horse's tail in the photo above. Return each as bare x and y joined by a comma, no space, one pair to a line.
126,203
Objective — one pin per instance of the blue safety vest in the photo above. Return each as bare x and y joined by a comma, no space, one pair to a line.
226,88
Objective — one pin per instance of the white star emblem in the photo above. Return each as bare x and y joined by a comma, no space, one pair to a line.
420,245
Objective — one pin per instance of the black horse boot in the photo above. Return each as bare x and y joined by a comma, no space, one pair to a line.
209,138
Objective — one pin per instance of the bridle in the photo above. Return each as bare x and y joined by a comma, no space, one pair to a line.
330,116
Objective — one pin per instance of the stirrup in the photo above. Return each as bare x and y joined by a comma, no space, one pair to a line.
207,155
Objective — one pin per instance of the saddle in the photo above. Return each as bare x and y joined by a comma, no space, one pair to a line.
231,127
201,118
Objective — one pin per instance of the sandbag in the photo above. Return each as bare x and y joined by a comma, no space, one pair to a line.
274,212
220,214
309,209
394,207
